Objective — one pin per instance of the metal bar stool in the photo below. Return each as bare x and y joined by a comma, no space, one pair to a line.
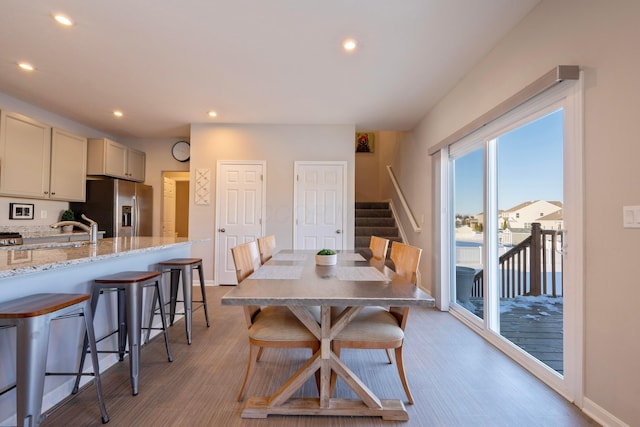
185,266
129,285
32,316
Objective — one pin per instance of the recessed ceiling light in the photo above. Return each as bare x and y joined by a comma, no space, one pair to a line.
212,114
25,66
63,20
349,45
118,113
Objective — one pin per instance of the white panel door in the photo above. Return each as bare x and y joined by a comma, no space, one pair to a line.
239,201
320,205
168,207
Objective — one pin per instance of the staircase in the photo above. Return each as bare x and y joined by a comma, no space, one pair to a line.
374,219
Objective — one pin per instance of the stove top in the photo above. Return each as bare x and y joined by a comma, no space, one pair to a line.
10,239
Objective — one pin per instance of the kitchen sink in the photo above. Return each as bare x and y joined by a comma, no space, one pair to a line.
45,245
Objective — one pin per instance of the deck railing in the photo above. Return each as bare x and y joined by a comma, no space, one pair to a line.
530,267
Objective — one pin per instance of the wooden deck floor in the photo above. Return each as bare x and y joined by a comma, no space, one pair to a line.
535,325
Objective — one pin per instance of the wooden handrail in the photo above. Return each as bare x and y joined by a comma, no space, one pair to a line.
531,253
405,205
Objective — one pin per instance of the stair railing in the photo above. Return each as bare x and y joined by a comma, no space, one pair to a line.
405,206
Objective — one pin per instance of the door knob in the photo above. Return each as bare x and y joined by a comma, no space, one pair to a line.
222,230
338,231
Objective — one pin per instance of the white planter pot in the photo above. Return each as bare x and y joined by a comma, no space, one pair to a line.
326,259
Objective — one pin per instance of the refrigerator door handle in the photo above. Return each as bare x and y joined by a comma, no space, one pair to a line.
135,222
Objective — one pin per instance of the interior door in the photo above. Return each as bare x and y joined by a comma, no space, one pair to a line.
240,204
319,206
168,207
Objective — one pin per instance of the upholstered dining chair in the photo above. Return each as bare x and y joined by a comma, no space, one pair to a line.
273,326
267,246
378,247
378,328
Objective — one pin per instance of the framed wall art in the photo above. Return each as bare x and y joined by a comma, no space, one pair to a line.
365,142
20,211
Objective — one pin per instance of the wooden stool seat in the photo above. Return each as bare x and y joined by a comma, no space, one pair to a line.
184,267
129,286
32,316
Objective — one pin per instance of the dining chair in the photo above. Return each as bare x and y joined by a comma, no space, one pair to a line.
379,328
378,247
266,245
272,326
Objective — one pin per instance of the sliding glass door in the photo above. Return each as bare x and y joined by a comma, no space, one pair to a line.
508,218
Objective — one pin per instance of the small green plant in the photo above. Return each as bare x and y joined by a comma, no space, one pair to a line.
68,215
326,252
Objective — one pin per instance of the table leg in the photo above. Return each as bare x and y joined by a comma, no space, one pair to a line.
325,359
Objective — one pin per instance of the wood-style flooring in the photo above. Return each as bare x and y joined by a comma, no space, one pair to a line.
456,377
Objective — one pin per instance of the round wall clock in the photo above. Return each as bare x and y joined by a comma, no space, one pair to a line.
181,151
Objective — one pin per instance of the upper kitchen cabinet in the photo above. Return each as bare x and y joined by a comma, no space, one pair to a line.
38,162
110,158
68,166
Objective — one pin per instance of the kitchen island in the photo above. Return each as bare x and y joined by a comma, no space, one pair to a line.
71,267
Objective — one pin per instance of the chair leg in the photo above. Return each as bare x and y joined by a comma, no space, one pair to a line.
403,377
259,354
389,356
251,367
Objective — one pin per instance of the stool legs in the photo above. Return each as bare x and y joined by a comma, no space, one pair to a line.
32,339
32,343
204,293
186,271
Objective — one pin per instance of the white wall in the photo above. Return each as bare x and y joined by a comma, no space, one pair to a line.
279,146
601,36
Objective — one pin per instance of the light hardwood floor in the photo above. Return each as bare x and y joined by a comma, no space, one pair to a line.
457,379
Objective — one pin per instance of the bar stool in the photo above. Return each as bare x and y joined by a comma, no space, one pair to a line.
129,286
185,266
32,316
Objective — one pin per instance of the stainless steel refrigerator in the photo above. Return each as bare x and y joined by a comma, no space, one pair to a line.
121,208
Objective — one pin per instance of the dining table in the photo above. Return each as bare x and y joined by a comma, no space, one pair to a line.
291,278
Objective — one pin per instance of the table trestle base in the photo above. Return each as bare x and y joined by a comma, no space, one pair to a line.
391,410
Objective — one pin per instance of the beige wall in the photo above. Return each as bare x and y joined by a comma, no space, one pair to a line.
372,182
279,146
602,37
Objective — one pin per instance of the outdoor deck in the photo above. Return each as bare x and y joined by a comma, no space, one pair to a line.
533,324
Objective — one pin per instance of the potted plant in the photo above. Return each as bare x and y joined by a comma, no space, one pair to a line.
67,215
326,257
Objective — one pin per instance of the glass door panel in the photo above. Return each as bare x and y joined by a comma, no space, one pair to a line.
530,200
468,233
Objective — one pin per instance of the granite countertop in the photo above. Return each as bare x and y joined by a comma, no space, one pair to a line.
24,259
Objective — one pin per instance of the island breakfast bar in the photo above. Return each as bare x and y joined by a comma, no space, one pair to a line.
70,268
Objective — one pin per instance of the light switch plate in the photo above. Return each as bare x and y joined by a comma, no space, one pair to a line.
631,216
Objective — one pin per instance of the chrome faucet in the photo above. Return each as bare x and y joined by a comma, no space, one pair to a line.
92,228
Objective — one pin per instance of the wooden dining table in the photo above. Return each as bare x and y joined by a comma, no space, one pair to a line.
292,279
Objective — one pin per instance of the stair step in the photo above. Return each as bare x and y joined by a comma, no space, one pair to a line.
377,231
363,241
373,213
372,205
375,222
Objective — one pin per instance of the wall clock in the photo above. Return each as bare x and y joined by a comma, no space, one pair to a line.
181,151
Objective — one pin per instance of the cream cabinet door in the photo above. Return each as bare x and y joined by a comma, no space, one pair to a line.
25,146
135,165
68,166
115,162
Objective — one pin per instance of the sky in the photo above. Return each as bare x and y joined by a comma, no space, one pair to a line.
529,167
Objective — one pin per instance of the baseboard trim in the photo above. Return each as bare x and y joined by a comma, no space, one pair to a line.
600,415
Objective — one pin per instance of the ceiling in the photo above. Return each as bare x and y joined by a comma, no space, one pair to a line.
166,63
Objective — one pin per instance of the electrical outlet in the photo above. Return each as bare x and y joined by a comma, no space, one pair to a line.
43,214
